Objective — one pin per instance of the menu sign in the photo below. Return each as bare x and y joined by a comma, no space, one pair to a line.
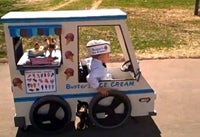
38,81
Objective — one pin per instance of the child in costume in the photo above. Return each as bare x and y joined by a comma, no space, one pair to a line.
99,50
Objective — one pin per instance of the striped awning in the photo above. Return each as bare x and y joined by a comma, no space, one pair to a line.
34,30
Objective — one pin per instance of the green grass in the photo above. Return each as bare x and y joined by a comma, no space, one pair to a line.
6,6
149,3
81,4
2,43
107,33
145,32
55,2
22,5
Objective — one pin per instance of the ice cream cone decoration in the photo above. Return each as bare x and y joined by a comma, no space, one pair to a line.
69,72
69,37
17,82
69,55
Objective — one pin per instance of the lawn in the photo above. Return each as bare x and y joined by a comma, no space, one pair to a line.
153,24
150,3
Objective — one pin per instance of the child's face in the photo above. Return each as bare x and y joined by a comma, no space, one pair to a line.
37,46
104,57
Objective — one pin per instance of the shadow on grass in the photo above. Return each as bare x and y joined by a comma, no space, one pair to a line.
137,127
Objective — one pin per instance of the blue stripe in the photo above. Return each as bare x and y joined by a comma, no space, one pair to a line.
139,91
69,19
32,30
34,26
83,95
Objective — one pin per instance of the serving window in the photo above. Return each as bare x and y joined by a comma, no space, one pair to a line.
36,45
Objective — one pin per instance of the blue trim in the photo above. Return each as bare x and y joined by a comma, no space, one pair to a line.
139,91
32,30
75,19
63,16
83,95
34,26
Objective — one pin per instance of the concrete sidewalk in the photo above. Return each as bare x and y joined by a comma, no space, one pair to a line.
176,82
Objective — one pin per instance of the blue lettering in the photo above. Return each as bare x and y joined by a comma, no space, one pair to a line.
122,84
67,86
103,84
78,86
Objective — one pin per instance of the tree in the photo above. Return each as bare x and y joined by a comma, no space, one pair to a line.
197,6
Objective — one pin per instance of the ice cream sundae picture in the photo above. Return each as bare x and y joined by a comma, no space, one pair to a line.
17,82
69,55
69,37
69,72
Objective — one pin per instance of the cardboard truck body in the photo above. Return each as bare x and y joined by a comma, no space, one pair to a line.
49,86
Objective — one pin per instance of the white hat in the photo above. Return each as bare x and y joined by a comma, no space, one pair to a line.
96,47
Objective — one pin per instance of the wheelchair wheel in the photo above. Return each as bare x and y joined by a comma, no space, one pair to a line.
110,111
50,114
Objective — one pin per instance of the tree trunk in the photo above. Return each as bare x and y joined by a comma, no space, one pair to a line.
197,6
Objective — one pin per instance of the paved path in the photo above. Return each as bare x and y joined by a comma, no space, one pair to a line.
177,104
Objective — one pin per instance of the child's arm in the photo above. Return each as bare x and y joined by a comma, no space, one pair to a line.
94,83
103,91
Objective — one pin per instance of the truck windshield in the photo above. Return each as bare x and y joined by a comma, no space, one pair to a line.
108,33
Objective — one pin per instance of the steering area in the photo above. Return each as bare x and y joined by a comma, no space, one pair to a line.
126,66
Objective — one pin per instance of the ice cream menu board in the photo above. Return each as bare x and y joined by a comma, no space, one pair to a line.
40,80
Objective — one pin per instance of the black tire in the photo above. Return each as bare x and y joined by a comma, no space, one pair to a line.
48,121
24,128
112,118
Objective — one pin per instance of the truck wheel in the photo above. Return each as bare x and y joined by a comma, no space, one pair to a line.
50,114
110,111
24,128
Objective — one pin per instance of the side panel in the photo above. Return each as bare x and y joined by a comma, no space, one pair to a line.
67,85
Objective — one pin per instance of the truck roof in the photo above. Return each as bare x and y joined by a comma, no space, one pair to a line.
63,16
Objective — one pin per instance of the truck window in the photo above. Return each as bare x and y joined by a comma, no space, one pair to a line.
108,33
36,45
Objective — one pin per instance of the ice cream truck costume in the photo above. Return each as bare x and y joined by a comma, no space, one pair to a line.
46,85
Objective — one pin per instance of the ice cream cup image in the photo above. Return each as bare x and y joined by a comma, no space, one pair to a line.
69,37
69,55
69,72
17,82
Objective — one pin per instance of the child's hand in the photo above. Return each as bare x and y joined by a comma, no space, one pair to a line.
103,91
